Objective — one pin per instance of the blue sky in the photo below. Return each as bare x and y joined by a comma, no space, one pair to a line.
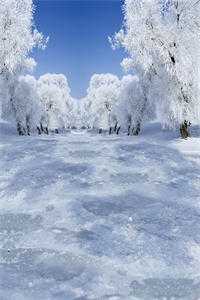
78,45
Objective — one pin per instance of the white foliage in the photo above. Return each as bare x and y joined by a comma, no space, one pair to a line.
130,100
26,102
162,39
17,37
85,112
114,103
54,94
102,96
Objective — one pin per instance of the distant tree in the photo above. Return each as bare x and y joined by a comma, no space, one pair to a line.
56,102
102,95
26,105
82,109
130,106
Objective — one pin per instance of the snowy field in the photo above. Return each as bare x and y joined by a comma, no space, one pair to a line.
88,217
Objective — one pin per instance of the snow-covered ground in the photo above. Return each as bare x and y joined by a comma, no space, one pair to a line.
86,217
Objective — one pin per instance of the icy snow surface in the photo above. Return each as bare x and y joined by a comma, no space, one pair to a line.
86,217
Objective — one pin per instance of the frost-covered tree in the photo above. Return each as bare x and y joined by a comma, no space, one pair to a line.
18,36
102,95
179,54
129,108
135,37
162,39
26,104
71,118
57,106
84,113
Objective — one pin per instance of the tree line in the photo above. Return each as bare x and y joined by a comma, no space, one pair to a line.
161,39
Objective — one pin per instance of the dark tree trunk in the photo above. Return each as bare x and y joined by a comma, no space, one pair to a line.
138,128
118,129
184,129
46,130
28,129
100,130
115,128
39,130
110,130
20,129
41,127
28,125
129,130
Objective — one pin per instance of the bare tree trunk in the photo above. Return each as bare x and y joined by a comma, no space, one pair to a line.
100,130
39,130
20,129
28,129
110,130
129,130
41,127
184,129
138,128
115,128
118,129
28,125
46,130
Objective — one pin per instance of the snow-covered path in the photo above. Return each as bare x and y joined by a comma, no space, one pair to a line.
86,217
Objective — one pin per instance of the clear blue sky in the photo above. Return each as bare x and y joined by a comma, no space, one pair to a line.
78,45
